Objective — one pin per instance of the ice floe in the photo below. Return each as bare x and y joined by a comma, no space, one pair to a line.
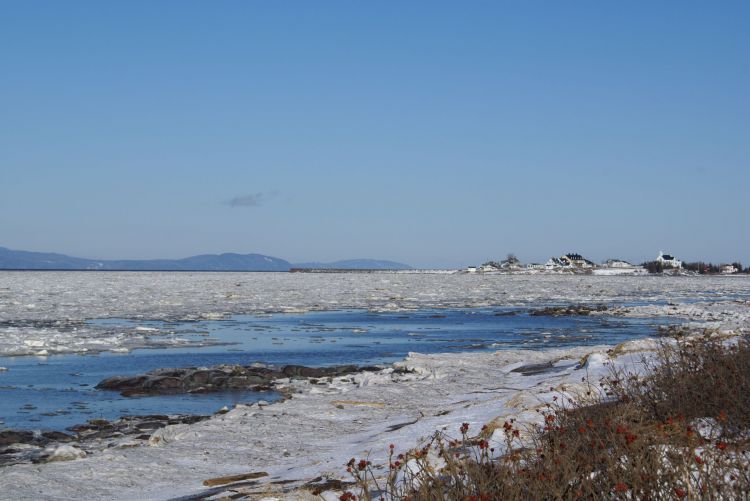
64,301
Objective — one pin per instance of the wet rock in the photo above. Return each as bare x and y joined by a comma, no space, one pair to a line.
92,424
370,368
19,453
163,384
200,377
21,446
511,313
675,331
140,427
186,419
9,437
150,425
57,436
573,309
535,369
317,372
220,378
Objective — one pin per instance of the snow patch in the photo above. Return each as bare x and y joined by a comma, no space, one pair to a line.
63,453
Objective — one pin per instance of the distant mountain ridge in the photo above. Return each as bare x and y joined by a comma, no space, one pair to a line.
26,260
355,264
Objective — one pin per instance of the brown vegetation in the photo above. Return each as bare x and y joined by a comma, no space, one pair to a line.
682,432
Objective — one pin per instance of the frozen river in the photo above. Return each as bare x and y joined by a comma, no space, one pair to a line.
55,392
64,331
45,313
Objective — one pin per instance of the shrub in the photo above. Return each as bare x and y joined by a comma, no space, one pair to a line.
679,432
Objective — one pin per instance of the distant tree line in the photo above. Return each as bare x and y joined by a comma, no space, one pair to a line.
698,266
654,266
510,259
710,268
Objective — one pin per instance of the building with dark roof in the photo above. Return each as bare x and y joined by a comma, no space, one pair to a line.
668,261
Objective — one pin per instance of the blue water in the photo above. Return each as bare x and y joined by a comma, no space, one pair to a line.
58,391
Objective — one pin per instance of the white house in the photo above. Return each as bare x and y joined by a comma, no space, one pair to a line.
617,263
471,269
577,260
555,264
728,269
668,261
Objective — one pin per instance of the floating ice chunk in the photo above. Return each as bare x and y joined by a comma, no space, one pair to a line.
146,329
213,315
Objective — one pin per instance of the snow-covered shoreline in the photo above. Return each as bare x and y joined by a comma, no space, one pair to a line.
323,425
316,431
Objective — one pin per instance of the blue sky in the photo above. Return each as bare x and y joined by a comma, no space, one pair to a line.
434,133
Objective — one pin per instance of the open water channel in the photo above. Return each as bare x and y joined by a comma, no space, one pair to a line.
56,392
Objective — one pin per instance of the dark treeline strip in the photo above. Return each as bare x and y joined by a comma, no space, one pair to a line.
701,267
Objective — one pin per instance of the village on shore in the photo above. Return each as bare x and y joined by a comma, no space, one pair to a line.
576,263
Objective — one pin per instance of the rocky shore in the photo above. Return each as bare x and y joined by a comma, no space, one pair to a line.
24,446
220,378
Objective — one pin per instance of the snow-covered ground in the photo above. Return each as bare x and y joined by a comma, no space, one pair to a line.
315,432
323,425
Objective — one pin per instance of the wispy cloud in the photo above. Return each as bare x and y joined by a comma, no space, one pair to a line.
250,200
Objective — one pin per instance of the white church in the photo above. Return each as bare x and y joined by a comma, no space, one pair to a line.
668,261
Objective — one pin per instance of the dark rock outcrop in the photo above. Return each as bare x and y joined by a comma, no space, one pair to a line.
573,309
219,378
22,446
9,437
139,426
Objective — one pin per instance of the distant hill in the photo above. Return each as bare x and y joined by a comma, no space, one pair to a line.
355,264
24,260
